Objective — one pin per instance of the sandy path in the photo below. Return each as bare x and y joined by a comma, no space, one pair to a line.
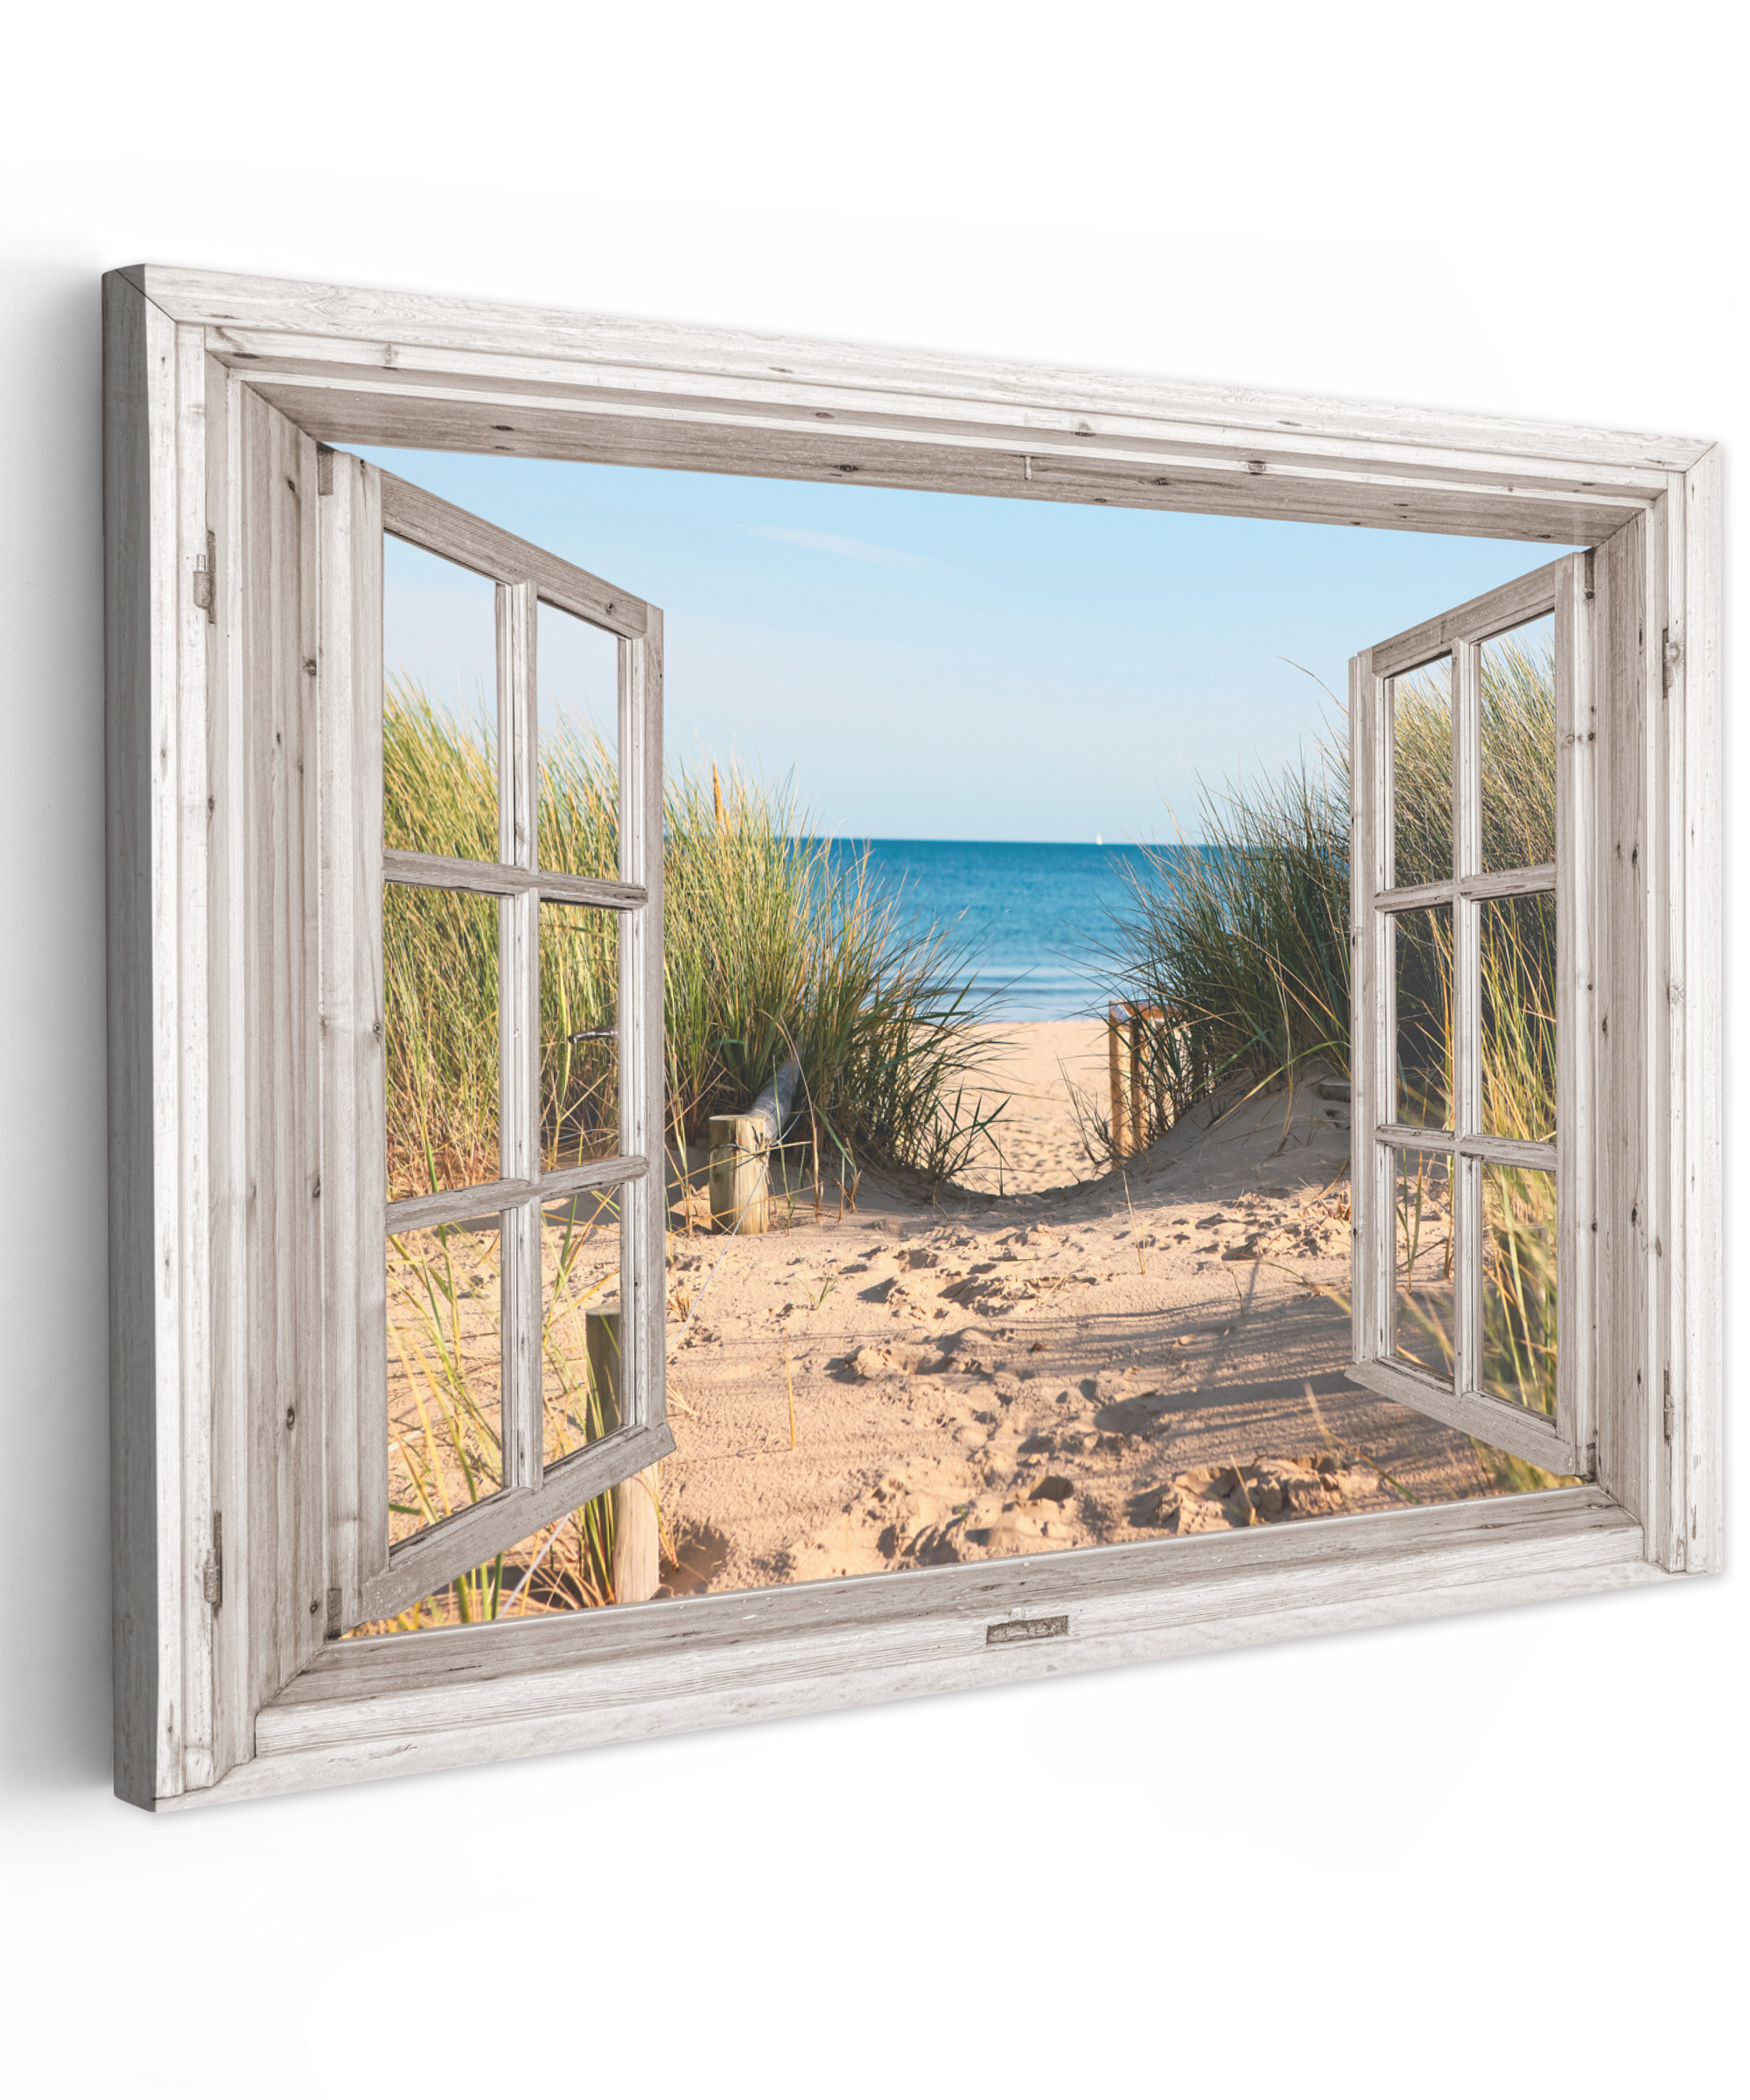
993,1375
1028,1063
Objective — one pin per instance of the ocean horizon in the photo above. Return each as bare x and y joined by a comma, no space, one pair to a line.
1040,916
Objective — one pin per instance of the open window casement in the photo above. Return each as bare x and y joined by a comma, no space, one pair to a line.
429,1271
1537,1187
1471,875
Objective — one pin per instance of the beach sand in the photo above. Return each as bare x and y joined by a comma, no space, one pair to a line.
1037,1068
1081,1359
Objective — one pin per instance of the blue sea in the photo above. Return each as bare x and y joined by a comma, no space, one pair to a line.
1040,916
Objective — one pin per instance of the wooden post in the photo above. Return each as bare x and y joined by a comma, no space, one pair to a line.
637,1544
601,1348
738,1174
1115,1072
1149,1113
1139,1113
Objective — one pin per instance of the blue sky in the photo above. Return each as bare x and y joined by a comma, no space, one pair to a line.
950,666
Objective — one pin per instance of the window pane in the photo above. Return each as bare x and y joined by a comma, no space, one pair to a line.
1519,1286
1422,970
1518,774
562,1567
440,706
576,687
580,1320
440,1038
1422,774
444,1443
579,1042
1424,1330
1518,949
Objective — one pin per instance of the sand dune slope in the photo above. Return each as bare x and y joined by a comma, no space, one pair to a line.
1149,1353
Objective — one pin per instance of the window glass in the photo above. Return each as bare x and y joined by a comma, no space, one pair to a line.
565,1566
440,1038
579,1034
1517,946
1422,774
1518,728
580,1338
440,706
1423,1303
576,685
445,1443
1519,1286
1422,973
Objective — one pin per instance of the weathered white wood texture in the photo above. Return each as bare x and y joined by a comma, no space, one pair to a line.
424,1562
1509,605
371,1708
1478,1414
350,741
531,1495
1630,1409
1565,1444
229,845
1500,882
1508,1152
1370,997
360,367
1695,1008
282,1568
519,1019
414,514
643,1270
493,879
193,358
450,1206
1467,1170
1577,698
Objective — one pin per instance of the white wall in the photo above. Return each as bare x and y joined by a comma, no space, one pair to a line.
1457,1857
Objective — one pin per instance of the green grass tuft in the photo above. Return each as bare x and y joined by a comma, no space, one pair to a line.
1243,945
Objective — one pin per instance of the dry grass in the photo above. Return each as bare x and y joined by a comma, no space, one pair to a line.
774,947
1243,945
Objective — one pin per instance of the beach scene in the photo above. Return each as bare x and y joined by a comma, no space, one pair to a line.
1008,1177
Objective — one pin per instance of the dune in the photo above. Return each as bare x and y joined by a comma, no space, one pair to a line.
1049,1355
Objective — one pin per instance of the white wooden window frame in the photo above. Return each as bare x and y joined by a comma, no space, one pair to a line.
1565,591
365,1576
225,1688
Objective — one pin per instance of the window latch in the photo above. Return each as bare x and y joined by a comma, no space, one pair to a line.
204,595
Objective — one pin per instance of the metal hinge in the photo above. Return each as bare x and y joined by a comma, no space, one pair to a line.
1673,655
212,1575
205,596
1671,1409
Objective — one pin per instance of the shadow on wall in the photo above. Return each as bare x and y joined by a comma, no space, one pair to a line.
54,1405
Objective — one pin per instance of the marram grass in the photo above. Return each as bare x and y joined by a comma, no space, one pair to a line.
1243,945
774,947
